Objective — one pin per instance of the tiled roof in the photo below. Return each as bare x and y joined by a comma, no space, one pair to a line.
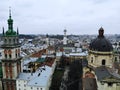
104,73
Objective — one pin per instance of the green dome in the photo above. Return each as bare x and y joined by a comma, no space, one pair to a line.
10,33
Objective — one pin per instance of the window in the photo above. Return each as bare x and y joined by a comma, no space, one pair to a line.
17,41
31,87
16,55
102,83
5,41
5,55
110,84
10,56
103,62
91,59
118,84
19,54
14,40
115,58
40,88
0,54
24,85
10,41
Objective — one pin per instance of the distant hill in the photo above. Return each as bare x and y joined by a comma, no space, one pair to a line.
27,36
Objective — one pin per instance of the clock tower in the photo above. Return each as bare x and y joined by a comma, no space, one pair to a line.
11,59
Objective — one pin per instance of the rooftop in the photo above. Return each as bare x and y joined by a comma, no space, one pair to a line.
38,78
104,74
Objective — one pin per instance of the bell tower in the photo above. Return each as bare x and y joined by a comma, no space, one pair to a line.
65,37
11,59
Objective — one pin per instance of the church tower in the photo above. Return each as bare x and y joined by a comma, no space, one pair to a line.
65,38
11,59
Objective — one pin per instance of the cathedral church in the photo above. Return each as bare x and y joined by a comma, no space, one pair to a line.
100,63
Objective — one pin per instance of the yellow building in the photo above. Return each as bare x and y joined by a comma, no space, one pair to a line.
101,51
100,61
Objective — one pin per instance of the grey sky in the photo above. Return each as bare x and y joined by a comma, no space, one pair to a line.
52,16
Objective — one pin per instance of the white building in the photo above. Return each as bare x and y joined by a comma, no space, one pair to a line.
39,80
65,37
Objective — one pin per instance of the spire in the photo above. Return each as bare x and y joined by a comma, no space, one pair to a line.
47,35
65,32
3,31
10,31
10,21
17,31
10,12
65,37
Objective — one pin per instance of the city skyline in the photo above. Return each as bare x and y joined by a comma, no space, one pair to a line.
52,17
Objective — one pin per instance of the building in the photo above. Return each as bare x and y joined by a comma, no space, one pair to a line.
101,51
11,59
89,81
40,79
101,63
35,81
65,37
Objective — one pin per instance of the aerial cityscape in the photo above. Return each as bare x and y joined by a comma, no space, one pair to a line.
58,61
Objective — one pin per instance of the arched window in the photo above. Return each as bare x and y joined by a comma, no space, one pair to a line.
16,53
5,55
10,53
103,62
115,58
10,56
17,40
13,40
91,59
5,41
10,41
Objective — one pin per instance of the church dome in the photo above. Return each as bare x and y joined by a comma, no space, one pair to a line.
101,43
11,33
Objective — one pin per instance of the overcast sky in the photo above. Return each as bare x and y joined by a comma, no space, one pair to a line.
53,16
